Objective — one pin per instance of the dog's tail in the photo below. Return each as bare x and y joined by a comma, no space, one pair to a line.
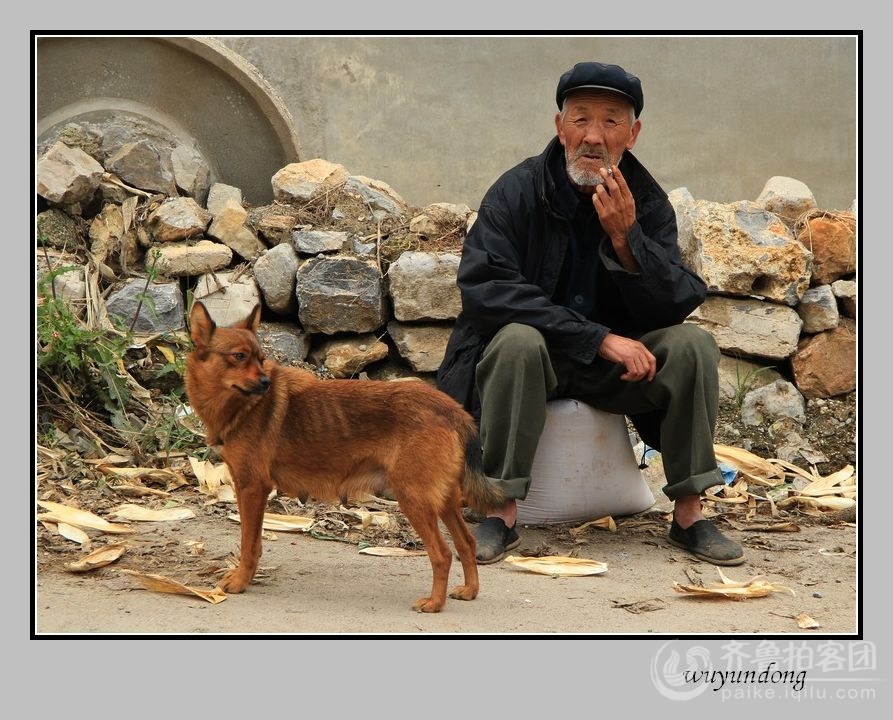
477,491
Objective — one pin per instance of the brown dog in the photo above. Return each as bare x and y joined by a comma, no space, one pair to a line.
285,428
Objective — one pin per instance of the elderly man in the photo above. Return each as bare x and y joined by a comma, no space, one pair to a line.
572,285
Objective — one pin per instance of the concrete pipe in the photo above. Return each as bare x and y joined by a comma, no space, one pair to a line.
182,91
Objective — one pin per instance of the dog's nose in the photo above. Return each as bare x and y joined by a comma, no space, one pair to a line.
264,381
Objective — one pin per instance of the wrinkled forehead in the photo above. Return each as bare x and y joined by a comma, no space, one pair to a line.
589,98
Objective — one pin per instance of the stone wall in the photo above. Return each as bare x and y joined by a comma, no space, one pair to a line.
353,279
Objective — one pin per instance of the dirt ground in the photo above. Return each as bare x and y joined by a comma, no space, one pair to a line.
319,583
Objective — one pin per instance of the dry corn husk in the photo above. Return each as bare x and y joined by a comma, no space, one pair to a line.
757,586
161,584
136,473
60,513
558,565
138,513
805,622
283,523
130,490
368,499
372,518
771,527
831,502
837,491
837,482
70,532
731,500
753,467
392,552
604,523
214,480
844,476
98,558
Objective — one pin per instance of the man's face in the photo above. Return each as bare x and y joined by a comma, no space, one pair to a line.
595,129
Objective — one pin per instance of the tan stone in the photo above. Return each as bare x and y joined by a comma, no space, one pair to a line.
305,180
276,229
178,218
786,197
345,357
440,220
746,250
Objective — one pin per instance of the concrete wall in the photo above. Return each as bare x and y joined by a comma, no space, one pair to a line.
440,117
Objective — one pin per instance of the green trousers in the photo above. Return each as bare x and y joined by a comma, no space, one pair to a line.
517,374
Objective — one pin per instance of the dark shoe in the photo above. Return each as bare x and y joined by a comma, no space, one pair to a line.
494,538
704,541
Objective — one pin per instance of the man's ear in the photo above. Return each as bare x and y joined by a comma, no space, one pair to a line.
559,129
633,134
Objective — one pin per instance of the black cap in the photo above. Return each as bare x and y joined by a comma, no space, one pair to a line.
599,76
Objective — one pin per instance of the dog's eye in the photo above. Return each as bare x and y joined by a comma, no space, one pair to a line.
239,356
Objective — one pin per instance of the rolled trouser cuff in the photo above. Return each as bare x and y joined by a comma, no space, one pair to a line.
694,485
512,488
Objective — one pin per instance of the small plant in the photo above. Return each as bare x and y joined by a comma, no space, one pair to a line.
86,360
171,430
144,298
745,383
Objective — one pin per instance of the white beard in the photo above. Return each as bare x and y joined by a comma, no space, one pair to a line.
585,177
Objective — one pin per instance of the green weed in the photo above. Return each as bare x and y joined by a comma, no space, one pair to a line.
745,383
87,360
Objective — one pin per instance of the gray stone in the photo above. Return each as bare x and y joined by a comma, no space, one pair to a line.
229,296
191,173
751,328
422,286
340,294
818,309
145,166
312,242
377,194
157,307
846,293
274,272
780,399
284,342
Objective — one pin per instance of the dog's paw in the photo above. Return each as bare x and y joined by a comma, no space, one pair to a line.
464,592
234,582
428,605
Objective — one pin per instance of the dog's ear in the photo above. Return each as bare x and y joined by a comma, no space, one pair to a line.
252,322
201,326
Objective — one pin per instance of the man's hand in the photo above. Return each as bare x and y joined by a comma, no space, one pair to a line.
640,364
616,210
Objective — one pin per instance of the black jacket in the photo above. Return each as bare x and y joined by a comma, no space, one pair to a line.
514,253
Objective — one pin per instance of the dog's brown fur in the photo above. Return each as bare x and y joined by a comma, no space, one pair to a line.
285,428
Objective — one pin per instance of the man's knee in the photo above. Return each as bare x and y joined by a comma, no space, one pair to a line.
695,343
516,342
517,354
